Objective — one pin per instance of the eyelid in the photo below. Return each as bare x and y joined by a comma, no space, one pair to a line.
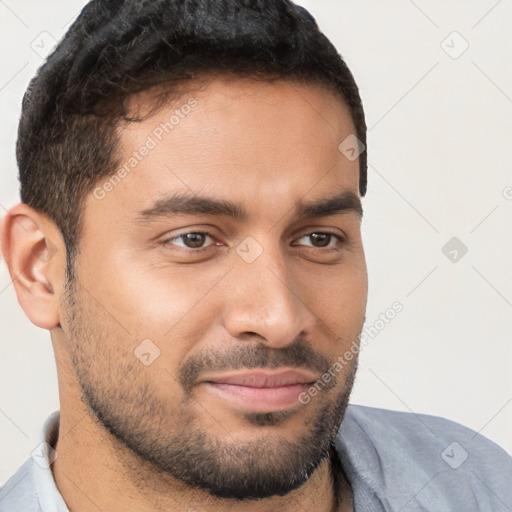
188,232
167,240
341,238
320,230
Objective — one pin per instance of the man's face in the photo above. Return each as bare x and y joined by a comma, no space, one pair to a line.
194,326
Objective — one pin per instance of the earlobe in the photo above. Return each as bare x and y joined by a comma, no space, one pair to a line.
30,247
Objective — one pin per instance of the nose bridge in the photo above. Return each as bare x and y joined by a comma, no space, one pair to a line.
264,298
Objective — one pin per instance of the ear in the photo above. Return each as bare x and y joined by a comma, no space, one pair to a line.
34,252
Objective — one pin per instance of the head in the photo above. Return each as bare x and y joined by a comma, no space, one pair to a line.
187,217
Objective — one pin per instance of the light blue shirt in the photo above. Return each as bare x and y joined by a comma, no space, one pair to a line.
400,462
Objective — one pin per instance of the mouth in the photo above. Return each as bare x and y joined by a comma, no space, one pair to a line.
261,390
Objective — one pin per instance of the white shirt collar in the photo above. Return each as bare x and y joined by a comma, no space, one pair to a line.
50,499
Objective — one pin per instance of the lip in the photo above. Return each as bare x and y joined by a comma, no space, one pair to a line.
261,378
261,390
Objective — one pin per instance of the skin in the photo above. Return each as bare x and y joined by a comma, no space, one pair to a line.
265,146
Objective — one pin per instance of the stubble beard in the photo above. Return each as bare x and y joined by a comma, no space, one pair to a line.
168,441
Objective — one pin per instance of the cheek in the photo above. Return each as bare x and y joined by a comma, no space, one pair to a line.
146,298
340,291
339,299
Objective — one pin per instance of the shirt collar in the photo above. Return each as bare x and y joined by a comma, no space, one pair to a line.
44,454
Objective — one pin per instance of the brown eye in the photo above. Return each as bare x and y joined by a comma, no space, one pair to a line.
191,240
320,239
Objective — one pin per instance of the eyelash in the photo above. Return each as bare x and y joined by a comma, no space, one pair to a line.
190,249
341,239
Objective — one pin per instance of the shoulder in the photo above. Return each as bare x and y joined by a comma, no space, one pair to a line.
32,488
19,492
425,459
421,430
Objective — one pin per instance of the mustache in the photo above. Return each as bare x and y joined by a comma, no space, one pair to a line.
298,354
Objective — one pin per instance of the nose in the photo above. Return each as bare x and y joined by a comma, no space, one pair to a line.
265,301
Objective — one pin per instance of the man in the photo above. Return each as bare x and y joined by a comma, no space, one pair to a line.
189,233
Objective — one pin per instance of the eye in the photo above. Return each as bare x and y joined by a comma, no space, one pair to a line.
321,239
191,240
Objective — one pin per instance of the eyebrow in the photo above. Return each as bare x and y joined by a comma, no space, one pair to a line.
344,202
190,204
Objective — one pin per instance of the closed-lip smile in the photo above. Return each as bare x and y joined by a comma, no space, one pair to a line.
260,390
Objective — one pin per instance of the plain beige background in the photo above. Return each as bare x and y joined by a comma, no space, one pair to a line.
436,82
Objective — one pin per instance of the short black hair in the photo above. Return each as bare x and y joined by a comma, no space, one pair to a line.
67,139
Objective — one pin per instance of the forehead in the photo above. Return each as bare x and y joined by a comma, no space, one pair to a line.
233,136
